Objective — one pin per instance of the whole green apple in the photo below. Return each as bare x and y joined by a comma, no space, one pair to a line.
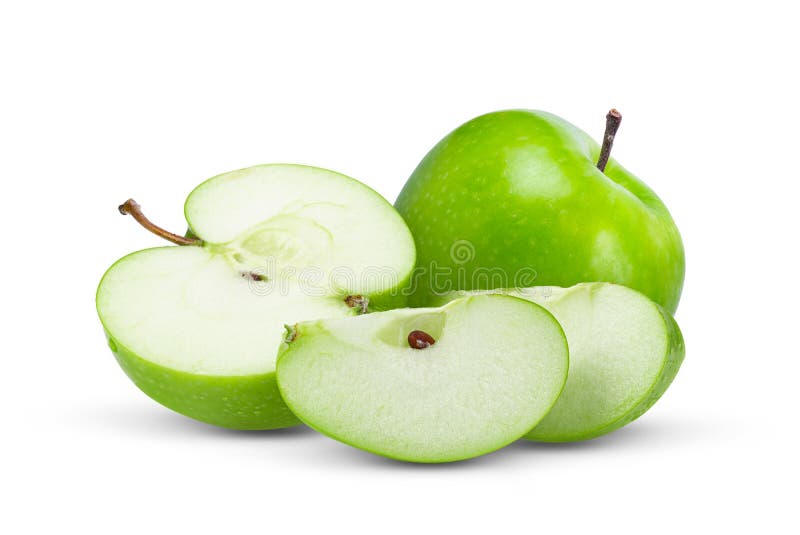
515,198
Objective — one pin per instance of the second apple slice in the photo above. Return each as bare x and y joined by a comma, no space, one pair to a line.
624,352
495,367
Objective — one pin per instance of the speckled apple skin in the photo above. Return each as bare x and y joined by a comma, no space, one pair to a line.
246,402
514,199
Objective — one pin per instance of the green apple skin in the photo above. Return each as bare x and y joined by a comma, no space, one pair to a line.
628,409
519,193
246,402
672,363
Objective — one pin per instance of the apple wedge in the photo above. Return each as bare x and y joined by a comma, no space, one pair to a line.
197,327
427,385
624,351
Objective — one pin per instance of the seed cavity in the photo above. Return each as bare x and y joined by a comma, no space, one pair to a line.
420,340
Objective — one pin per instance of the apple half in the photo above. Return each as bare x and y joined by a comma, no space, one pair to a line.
624,352
427,385
197,326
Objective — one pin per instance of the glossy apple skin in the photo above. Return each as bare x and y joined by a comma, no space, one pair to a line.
245,402
514,199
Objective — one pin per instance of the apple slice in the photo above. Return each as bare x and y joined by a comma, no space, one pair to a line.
624,351
197,327
427,385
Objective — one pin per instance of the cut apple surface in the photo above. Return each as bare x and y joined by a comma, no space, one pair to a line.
427,385
197,327
625,350
288,218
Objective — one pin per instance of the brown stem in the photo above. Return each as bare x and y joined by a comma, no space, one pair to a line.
132,207
359,302
613,118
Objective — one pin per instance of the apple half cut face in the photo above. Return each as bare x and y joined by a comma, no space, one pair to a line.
624,351
197,327
430,384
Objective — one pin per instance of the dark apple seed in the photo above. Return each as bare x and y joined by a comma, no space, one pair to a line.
420,340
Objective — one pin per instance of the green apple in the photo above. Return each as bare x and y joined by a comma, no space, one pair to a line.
515,198
430,384
624,351
197,327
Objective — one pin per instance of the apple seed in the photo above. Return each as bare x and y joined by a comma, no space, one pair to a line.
420,340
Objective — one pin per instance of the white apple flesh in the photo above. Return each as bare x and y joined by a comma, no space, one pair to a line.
197,327
495,369
624,350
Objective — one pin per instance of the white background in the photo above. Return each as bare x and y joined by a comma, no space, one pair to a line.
102,101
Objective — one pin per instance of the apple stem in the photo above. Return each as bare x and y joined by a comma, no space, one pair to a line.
359,302
613,118
132,207
420,340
